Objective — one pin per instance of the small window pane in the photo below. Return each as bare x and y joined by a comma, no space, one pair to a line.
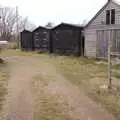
107,17
113,16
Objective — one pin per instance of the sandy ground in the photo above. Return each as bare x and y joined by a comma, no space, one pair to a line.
19,102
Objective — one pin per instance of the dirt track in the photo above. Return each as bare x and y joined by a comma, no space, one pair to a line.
20,99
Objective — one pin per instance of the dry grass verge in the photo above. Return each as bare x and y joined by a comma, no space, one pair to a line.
48,106
4,76
89,76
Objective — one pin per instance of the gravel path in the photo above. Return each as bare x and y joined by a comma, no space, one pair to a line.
19,103
20,99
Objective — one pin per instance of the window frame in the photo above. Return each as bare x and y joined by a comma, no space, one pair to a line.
112,16
108,17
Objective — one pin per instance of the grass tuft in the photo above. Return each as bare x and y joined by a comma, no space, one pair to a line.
48,106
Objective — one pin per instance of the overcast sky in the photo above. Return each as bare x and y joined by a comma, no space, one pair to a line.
42,11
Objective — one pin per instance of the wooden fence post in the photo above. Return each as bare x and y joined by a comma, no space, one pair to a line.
109,62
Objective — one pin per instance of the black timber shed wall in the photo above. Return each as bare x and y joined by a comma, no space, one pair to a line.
67,39
42,39
26,40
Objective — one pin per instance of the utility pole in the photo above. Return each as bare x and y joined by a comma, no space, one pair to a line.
17,29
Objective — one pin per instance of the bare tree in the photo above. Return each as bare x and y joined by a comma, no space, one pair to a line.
24,23
11,23
7,22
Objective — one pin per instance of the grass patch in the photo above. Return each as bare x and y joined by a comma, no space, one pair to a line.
4,76
18,52
47,105
89,76
49,108
117,75
116,66
110,99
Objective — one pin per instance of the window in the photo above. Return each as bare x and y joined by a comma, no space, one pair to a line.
37,33
45,32
108,17
113,16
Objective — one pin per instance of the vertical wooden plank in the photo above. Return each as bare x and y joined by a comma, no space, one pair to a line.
106,39
118,41
98,52
102,44
113,41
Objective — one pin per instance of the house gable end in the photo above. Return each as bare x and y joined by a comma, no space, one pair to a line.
101,14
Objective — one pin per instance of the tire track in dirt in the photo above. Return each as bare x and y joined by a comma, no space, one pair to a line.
19,101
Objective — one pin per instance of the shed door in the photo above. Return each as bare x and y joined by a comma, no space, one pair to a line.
102,43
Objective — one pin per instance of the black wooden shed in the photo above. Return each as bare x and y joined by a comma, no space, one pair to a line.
26,40
42,39
68,39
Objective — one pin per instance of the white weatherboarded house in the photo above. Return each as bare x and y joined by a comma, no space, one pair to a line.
104,25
